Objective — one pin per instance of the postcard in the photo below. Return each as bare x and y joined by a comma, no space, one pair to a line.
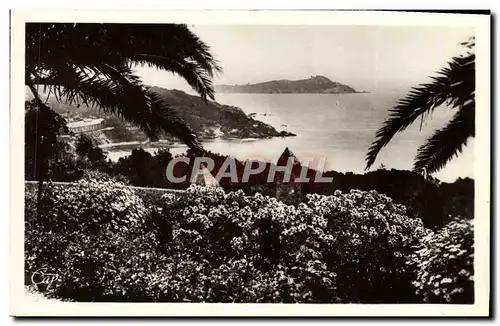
250,163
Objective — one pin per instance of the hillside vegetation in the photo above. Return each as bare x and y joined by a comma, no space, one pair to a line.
209,119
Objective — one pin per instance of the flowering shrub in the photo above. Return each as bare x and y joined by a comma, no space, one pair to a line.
91,204
96,267
213,246
445,263
98,175
30,205
76,226
345,247
368,238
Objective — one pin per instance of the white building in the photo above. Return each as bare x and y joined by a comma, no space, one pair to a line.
85,125
204,178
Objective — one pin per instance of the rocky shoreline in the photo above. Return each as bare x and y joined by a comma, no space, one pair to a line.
212,120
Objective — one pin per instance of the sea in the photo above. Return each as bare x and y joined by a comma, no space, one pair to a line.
334,132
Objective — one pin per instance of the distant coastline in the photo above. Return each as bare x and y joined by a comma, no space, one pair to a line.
312,85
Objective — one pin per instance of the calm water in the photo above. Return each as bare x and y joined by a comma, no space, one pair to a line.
337,128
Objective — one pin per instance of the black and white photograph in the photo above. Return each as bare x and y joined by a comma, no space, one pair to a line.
300,162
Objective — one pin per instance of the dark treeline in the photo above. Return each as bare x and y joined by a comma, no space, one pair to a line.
436,203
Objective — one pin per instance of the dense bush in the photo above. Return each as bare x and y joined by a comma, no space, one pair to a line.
85,232
91,204
445,263
30,192
111,265
339,248
213,246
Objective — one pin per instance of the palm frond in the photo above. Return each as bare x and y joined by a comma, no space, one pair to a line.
120,92
92,64
169,122
444,144
192,72
169,47
169,40
454,85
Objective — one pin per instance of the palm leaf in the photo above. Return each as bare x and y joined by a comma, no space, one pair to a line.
92,64
120,92
454,85
444,144
192,72
89,44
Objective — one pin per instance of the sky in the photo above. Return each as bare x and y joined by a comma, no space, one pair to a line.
371,58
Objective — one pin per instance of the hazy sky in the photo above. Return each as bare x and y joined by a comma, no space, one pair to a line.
366,58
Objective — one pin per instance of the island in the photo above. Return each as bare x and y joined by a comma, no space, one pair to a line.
313,85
